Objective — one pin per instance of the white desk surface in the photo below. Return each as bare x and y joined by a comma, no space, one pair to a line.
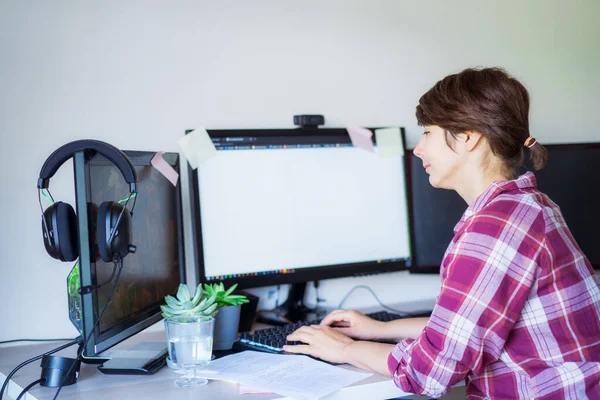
93,384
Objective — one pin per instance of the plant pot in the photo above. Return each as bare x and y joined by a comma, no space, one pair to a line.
227,321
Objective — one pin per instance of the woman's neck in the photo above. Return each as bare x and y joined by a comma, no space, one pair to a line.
476,182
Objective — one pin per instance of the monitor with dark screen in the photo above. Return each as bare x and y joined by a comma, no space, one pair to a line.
153,271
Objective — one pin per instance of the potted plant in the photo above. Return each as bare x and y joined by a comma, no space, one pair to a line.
227,318
189,327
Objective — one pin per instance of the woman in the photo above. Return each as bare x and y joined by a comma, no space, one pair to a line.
519,309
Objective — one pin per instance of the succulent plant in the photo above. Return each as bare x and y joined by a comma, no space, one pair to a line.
224,297
188,306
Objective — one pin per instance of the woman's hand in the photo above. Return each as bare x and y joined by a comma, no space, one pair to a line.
354,324
321,342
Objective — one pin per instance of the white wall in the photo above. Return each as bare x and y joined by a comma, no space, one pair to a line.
137,73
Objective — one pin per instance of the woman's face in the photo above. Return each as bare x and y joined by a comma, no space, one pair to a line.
439,160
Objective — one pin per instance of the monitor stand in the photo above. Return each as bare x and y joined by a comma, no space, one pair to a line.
292,310
144,358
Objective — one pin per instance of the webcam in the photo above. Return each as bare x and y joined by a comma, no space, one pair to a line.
309,121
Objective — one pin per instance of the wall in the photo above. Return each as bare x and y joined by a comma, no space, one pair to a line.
137,73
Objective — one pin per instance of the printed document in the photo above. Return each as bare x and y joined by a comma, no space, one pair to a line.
295,376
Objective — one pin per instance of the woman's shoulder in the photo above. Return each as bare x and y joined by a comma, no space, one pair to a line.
519,210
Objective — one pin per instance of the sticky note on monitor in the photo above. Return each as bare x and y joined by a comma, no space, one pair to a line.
197,147
164,168
361,137
389,142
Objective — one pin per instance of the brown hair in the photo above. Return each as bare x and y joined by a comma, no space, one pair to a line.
489,101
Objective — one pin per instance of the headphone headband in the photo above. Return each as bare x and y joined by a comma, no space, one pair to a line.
63,153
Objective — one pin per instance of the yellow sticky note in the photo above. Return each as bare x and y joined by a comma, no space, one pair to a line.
389,142
197,147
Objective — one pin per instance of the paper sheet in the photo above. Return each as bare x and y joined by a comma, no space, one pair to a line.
295,376
197,147
389,142
361,137
252,390
164,168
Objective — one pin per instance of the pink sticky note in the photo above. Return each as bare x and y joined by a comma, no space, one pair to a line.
164,168
361,137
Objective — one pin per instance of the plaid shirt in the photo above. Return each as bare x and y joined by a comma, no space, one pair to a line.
518,315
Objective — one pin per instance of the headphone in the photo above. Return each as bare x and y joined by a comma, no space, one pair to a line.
59,222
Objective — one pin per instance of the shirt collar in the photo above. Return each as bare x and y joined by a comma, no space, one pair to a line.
527,180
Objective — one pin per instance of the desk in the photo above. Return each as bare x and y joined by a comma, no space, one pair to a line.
92,384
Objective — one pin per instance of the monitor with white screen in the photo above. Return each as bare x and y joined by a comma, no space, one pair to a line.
296,205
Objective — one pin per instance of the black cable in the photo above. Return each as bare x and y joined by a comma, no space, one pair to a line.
87,339
32,384
317,298
402,313
36,340
24,363
91,288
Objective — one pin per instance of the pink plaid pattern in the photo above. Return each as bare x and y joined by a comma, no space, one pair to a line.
518,316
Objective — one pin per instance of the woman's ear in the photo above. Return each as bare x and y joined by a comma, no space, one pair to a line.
471,139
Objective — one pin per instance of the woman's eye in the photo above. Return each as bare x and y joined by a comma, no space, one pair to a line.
425,133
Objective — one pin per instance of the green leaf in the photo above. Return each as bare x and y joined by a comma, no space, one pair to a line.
172,302
197,295
231,289
179,312
165,312
183,293
211,299
202,305
210,310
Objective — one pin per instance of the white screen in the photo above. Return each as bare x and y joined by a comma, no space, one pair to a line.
275,209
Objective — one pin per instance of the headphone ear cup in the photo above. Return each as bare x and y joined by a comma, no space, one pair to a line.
66,220
108,214
102,232
49,231
62,225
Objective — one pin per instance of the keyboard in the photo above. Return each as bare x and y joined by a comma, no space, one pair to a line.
272,340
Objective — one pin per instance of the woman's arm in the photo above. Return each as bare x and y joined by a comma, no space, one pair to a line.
369,355
404,328
357,325
325,343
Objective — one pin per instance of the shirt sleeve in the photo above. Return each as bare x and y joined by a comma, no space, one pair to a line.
488,271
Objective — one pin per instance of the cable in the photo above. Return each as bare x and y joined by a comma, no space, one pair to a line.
318,300
87,339
32,384
402,313
36,340
90,288
24,363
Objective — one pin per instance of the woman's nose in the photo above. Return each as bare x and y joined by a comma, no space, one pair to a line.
418,150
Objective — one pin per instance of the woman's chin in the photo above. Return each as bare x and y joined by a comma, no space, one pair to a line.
432,181
436,183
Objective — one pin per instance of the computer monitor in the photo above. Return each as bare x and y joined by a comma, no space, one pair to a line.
296,205
152,272
570,179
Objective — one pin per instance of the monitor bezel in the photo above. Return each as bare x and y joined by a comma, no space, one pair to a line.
101,341
303,274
